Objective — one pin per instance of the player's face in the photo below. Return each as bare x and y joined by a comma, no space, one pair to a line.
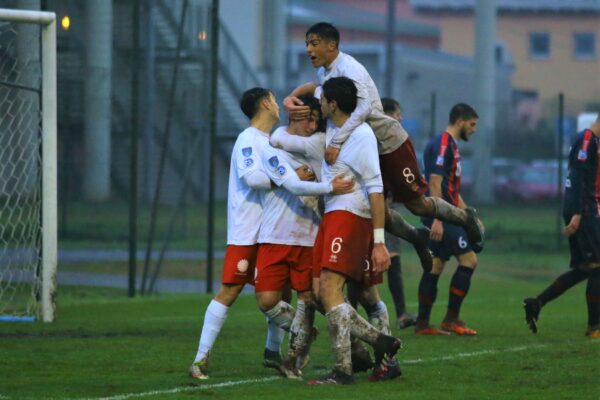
309,125
320,51
325,107
468,128
396,114
273,106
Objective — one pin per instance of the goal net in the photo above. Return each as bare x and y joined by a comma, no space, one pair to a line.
27,165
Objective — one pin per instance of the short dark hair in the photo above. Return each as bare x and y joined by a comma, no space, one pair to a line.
462,111
326,31
314,104
250,101
389,105
343,91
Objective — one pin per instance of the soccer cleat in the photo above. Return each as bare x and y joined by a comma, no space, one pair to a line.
289,370
421,245
593,332
474,230
272,359
388,369
406,320
458,327
532,312
430,330
199,370
333,378
386,348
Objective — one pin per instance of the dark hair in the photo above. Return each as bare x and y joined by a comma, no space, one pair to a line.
315,105
326,31
462,111
343,91
251,99
389,105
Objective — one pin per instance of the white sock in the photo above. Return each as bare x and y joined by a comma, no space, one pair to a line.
282,315
380,319
216,314
275,336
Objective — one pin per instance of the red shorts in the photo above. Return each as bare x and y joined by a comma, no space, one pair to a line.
401,175
239,264
344,244
278,264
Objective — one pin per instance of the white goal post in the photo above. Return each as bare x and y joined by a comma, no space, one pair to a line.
47,253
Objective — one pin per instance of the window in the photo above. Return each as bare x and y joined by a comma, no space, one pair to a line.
539,45
584,45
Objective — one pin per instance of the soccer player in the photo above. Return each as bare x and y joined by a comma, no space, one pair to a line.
247,183
443,171
344,247
286,238
399,166
581,214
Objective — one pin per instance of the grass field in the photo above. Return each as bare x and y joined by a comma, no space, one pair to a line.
106,346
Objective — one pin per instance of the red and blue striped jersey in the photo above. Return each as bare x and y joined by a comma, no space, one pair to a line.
582,191
441,157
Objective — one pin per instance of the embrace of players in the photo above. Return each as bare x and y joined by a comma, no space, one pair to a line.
307,213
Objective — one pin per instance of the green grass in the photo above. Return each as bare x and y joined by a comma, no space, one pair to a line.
104,344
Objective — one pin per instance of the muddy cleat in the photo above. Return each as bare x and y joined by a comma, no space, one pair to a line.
406,320
421,245
272,359
474,230
333,378
532,312
430,330
386,348
199,370
593,332
289,370
458,327
388,369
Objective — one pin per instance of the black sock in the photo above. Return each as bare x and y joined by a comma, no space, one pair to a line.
427,295
592,294
353,291
459,287
396,285
562,284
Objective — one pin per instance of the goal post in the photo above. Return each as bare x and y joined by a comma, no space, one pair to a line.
42,249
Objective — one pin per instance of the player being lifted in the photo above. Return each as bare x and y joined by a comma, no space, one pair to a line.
581,214
398,162
286,238
443,171
350,242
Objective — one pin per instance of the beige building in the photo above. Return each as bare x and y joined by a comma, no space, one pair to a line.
553,45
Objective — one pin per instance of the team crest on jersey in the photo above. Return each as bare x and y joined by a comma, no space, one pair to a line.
567,183
247,151
440,161
582,155
248,162
274,161
243,265
458,169
281,170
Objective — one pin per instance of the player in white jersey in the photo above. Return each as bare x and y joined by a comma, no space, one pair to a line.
247,184
399,167
344,248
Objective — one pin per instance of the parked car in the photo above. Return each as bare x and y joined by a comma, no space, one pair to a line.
535,181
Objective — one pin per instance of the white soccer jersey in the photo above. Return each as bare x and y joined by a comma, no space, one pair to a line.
244,204
390,134
286,219
358,159
306,150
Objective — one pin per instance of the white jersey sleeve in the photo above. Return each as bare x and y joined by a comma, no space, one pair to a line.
248,159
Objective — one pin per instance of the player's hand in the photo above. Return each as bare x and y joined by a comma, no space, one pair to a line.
305,173
437,230
573,225
274,143
380,258
342,185
296,108
331,154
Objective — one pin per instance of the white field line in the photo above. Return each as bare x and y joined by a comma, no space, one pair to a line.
268,379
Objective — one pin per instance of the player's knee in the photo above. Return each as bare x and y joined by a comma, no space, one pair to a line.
266,300
468,260
228,294
418,206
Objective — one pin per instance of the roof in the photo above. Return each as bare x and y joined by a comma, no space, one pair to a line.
511,5
308,12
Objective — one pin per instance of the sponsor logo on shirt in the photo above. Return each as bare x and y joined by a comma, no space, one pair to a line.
568,183
273,161
248,162
440,161
458,169
281,170
247,151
